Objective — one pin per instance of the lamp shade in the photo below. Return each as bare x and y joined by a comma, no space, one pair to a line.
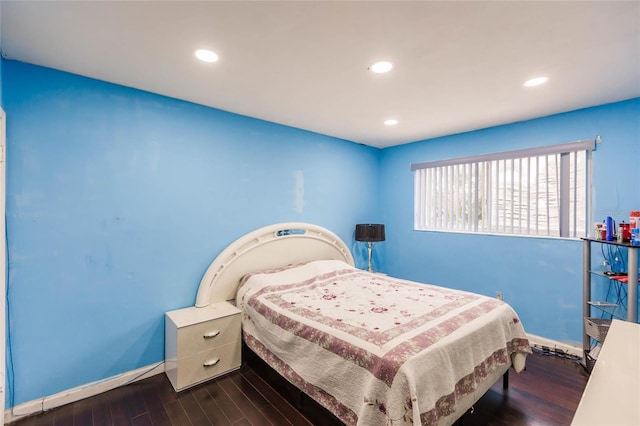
370,232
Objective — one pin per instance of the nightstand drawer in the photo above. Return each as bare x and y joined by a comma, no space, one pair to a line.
207,335
203,366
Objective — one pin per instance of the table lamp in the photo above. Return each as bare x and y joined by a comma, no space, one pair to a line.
370,233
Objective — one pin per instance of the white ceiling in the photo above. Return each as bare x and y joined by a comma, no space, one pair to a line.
459,66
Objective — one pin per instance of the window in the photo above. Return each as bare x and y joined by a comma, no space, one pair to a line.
540,192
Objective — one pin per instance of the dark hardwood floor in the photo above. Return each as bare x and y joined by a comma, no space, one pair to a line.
547,393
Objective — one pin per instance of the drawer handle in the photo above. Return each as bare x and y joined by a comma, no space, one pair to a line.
211,335
211,362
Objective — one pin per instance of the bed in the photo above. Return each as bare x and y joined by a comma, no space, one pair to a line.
372,349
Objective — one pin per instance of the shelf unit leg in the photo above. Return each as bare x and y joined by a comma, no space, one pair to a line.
632,286
586,290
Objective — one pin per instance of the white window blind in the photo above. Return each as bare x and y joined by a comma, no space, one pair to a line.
539,191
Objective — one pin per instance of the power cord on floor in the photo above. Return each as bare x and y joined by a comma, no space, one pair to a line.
547,351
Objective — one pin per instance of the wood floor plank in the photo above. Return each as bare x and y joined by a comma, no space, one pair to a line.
118,407
193,410
171,405
82,413
275,399
134,402
142,420
210,407
547,393
250,411
274,416
176,413
64,415
40,420
101,410
249,391
228,407
564,396
155,408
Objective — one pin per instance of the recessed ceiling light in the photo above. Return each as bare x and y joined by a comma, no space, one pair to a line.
381,67
206,55
390,122
536,81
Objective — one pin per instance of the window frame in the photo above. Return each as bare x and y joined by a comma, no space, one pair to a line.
567,216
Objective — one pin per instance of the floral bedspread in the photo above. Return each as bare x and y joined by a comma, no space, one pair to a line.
377,350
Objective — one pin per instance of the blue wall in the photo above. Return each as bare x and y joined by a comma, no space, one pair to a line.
118,200
540,278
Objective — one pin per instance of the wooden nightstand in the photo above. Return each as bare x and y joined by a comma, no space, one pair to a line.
201,343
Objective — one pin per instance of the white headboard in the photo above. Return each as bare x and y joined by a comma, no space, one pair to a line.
264,248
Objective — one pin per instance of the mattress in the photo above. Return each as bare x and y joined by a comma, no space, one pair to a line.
378,350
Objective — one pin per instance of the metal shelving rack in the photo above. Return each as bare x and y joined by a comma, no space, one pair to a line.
611,309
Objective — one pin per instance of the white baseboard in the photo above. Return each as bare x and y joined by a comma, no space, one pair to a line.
543,342
81,392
